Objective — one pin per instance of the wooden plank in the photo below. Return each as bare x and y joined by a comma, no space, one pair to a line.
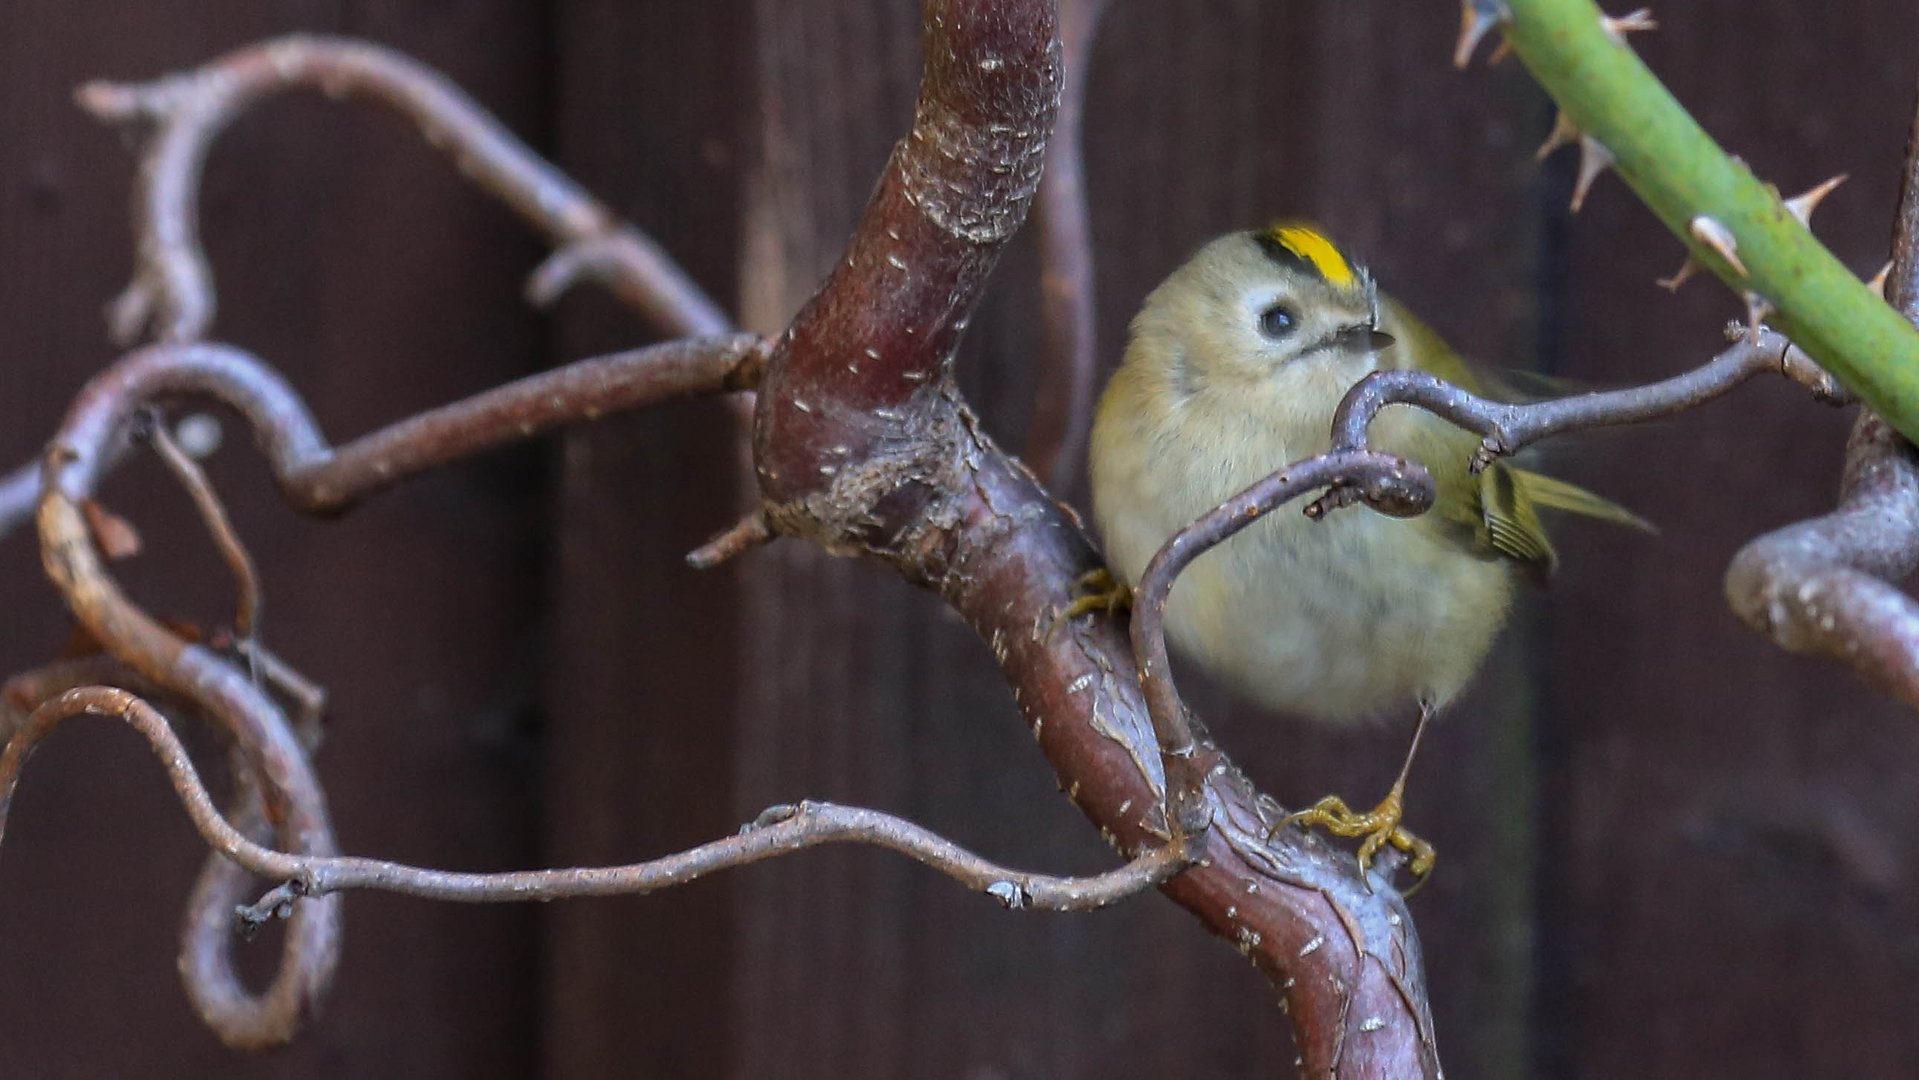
643,673
354,259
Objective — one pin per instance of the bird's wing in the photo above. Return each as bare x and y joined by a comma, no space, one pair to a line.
1557,494
1509,521
1502,507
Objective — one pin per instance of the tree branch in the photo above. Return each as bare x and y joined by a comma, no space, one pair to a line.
172,291
276,781
778,831
320,478
863,445
1509,428
1830,585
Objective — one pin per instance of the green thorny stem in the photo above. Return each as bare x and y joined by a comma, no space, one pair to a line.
1730,221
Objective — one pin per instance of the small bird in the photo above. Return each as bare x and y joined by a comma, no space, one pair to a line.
1235,366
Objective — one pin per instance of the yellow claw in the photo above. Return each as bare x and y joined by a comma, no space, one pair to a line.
1099,591
1379,826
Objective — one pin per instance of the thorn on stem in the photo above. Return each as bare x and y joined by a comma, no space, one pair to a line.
1477,18
1802,206
1712,233
1684,274
1878,282
1757,308
1564,133
1594,159
1618,28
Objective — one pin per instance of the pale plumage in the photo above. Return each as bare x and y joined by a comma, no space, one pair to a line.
1235,365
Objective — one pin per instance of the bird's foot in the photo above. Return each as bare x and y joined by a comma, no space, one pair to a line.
1379,826
1095,590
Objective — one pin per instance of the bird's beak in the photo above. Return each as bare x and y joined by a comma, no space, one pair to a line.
1362,337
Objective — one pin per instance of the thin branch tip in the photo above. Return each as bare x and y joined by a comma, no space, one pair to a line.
753,530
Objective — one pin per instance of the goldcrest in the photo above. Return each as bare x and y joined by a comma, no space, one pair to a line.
1234,368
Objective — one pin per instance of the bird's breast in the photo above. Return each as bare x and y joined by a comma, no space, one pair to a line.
1333,620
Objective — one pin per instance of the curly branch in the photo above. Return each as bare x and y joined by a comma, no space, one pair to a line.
172,291
1509,428
1390,484
1830,585
276,780
778,831
321,478
213,514
863,444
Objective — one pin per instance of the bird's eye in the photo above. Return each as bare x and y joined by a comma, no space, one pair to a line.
1277,321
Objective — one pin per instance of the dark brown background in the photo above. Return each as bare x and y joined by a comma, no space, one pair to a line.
1667,850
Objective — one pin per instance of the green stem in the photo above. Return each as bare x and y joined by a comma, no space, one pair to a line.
1682,174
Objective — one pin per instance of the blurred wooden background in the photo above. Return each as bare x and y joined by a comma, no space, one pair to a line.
1667,850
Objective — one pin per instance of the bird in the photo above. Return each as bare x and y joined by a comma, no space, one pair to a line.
1233,369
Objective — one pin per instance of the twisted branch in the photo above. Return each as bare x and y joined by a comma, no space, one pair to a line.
320,478
862,444
1508,428
172,293
777,831
1829,586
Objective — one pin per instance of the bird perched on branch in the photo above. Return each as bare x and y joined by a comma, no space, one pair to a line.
1235,366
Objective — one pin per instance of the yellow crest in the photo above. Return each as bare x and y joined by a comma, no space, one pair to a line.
1311,246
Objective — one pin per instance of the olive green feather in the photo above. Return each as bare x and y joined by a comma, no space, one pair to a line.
1498,509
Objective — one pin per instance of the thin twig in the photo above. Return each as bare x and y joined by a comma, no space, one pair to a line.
172,291
276,792
324,479
1509,428
863,444
741,537
778,831
1390,484
583,390
246,579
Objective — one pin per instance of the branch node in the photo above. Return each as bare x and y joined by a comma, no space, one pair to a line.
1009,894
593,258
276,903
130,313
118,103
1631,23
773,815
753,530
